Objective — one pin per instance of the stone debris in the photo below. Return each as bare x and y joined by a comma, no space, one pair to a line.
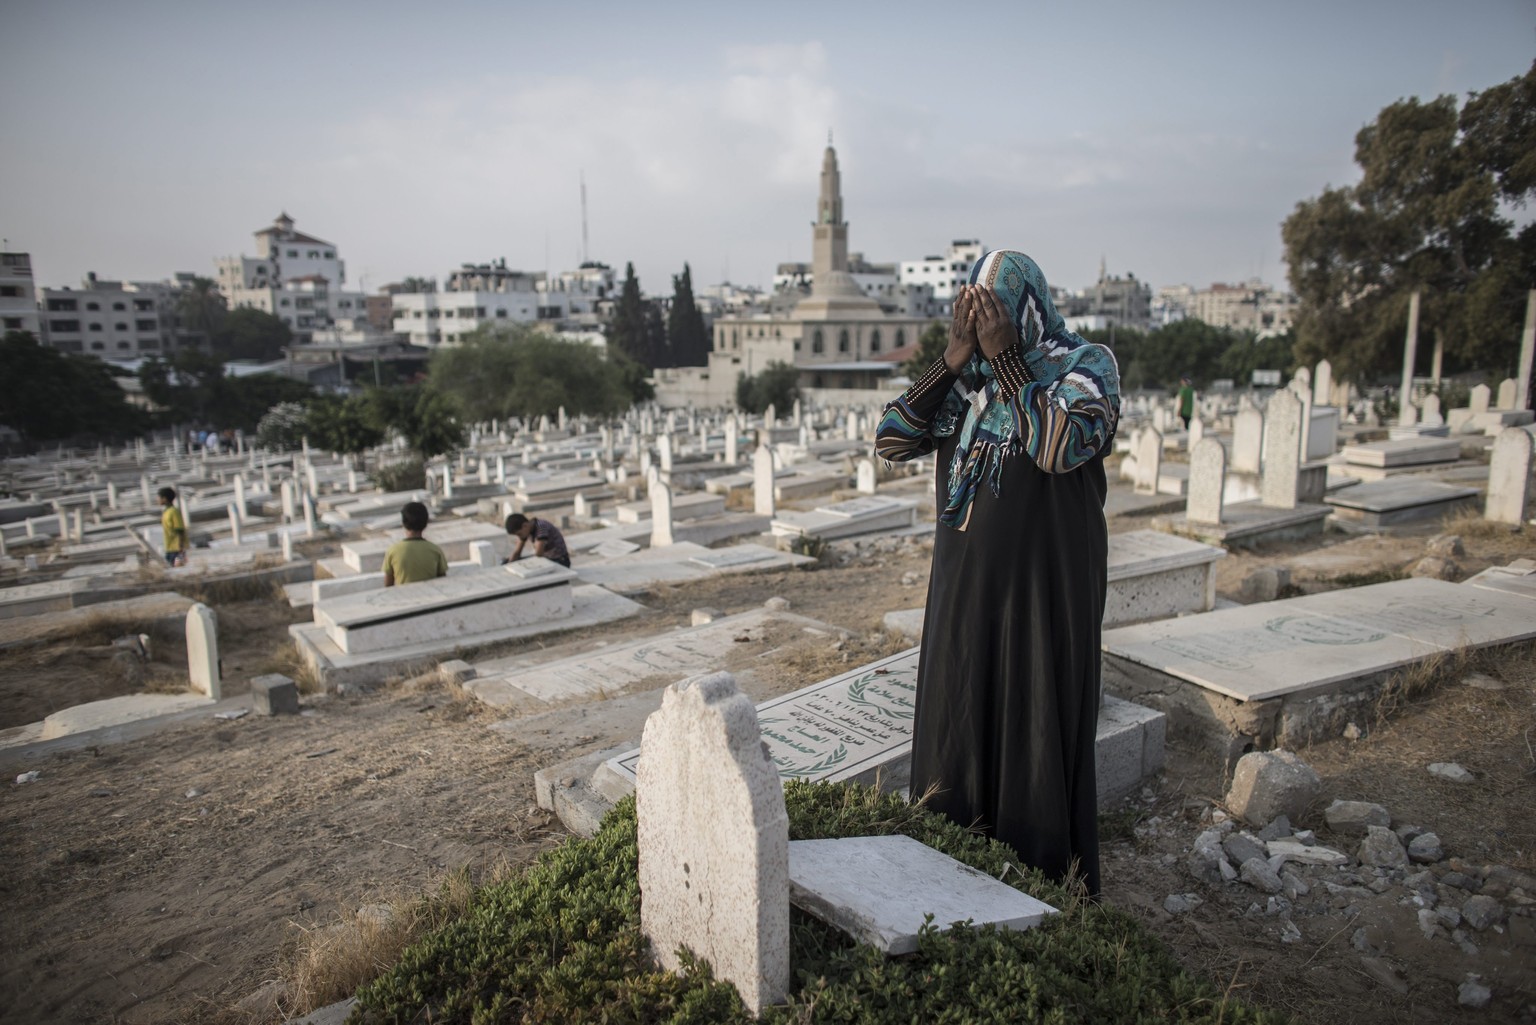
1267,784
1352,732
1482,911
28,777
1451,771
1435,568
1257,874
1293,850
776,604
1352,818
1447,545
1278,829
1473,993
1289,932
1181,903
1481,681
1239,847
1425,849
1382,848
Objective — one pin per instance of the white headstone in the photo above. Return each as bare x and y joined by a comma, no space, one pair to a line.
285,494
1507,394
203,650
865,477
1322,384
234,523
1527,354
732,439
483,554
309,514
1207,481
770,416
1406,410
351,481
1196,432
762,481
714,840
1478,400
1429,411
1509,478
111,495
661,513
286,541
1282,451
447,480
1149,460
664,452
579,507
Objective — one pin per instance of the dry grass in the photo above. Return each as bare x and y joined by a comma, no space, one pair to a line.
1469,523
101,628
332,962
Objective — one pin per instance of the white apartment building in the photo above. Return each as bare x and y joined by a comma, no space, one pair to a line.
944,274
295,277
1252,305
578,296
18,297
475,294
112,319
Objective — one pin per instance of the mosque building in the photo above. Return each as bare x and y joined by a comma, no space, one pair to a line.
840,338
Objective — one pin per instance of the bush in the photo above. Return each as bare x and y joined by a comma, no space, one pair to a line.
777,386
282,428
562,944
410,475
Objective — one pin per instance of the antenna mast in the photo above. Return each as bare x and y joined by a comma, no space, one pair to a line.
583,175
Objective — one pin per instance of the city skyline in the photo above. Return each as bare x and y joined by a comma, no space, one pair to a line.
1169,143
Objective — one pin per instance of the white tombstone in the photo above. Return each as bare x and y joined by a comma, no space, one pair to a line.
714,840
1406,411
309,514
664,452
1207,481
144,492
313,478
661,513
234,523
1509,478
1282,451
78,531
770,416
1196,432
447,480
351,481
111,495
732,439
1478,400
865,477
1429,411
1149,460
285,539
483,554
1527,363
203,650
285,494
1322,384
1507,396
485,472
762,481
579,507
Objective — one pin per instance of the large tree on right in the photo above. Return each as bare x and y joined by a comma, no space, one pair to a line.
1431,213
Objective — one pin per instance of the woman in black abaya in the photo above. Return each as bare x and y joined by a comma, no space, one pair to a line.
1020,412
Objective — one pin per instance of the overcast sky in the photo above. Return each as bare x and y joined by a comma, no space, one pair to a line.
142,138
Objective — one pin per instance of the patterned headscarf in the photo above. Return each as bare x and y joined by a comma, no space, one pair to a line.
1077,375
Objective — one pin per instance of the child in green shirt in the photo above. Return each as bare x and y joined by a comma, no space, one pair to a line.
415,558
174,528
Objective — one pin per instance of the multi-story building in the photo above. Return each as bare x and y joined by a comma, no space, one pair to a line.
18,297
1252,305
114,319
293,276
944,274
475,294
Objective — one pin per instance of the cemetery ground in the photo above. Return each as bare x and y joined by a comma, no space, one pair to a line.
186,874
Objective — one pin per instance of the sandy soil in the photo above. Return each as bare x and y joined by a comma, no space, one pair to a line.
169,878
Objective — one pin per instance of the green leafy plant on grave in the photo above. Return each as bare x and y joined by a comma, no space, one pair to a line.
809,544
562,943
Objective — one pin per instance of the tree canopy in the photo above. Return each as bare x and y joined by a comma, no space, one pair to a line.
247,333
497,372
1157,359
930,347
778,386
1425,216
190,387
54,395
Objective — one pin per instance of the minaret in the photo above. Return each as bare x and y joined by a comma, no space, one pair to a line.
829,248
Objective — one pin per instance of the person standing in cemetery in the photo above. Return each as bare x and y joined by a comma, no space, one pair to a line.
415,558
173,527
548,542
1186,401
1020,412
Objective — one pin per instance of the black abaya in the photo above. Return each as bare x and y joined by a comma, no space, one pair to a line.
1008,678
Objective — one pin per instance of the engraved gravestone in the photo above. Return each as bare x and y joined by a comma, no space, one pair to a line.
203,650
1282,451
1207,481
1247,440
762,481
714,840
1509,478
1149,461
